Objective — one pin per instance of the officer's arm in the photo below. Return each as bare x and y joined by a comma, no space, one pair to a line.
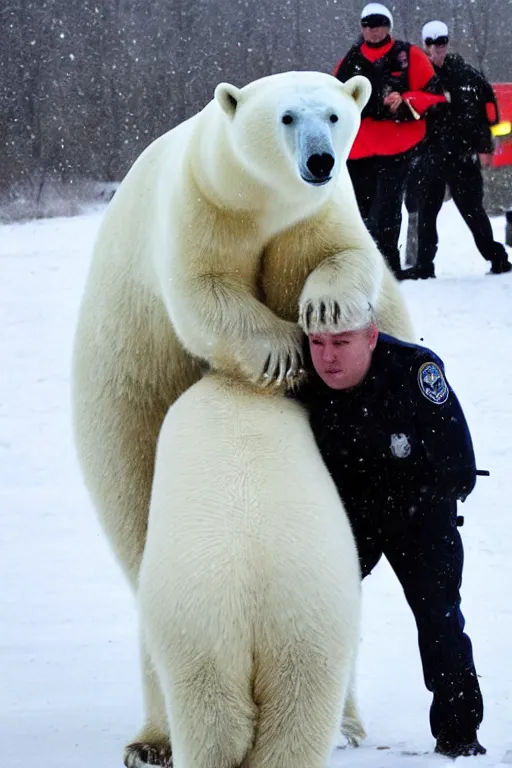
444,432
484,99
425,89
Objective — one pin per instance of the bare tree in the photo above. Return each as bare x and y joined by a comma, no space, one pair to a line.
84,87
479,18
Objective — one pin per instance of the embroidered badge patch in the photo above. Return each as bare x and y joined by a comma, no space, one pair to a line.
400,446
433,384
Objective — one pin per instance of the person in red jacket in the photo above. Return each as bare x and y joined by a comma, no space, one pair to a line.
404,86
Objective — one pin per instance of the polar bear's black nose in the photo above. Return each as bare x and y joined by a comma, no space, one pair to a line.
320,166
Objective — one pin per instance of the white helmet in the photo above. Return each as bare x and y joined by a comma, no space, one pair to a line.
377,9
434,29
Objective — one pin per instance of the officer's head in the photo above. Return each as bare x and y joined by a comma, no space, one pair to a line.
342,358
376,23
435,41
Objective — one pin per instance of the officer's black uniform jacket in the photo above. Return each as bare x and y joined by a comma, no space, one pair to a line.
399,439
462,126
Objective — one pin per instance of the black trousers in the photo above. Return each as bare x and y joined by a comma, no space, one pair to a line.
425,551
431,172
379,184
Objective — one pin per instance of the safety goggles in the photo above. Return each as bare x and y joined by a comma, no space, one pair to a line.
438,41
375,20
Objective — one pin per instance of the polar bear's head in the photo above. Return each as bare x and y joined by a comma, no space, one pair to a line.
293,127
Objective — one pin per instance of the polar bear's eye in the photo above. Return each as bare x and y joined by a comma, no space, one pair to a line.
333,118
287,119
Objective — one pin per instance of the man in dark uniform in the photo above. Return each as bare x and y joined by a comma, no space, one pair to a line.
458,132
392,125
394,438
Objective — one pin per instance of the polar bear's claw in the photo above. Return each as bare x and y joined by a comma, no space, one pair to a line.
282,369
353,731
145,755
320,317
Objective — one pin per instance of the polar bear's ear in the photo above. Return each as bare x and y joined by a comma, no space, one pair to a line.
228,97
359,88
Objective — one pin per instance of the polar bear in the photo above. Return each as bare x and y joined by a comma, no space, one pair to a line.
226,231
249,589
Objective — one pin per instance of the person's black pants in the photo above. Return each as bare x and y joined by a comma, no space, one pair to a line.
379,184
424,549
462,173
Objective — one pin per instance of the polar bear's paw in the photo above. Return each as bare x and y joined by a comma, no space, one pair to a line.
352,729
275,359
139,755
334,313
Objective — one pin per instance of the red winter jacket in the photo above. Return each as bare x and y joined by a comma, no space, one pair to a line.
390,137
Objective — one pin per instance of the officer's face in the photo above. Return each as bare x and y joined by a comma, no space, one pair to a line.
342,360
436,50
374,34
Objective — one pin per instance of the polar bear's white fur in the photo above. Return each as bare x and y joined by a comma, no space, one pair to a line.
249,587
226,231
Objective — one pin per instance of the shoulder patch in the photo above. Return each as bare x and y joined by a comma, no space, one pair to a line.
432,383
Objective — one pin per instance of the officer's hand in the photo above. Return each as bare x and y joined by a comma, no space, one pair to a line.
393,101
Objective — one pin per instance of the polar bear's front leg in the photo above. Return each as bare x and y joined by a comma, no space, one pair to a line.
351,727
219,320
151,746
350,270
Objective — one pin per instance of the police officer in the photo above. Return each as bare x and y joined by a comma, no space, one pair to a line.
394,438
403,88
458,132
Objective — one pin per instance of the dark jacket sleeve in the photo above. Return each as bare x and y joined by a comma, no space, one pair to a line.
476,99
450,470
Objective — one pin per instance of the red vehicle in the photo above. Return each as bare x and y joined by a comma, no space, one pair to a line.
502,132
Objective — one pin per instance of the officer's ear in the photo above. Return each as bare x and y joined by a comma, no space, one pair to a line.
373,336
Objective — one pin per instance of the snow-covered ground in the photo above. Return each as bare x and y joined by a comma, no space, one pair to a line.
69,684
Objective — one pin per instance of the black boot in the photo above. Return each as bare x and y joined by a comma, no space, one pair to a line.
454,746
418,273
500,264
